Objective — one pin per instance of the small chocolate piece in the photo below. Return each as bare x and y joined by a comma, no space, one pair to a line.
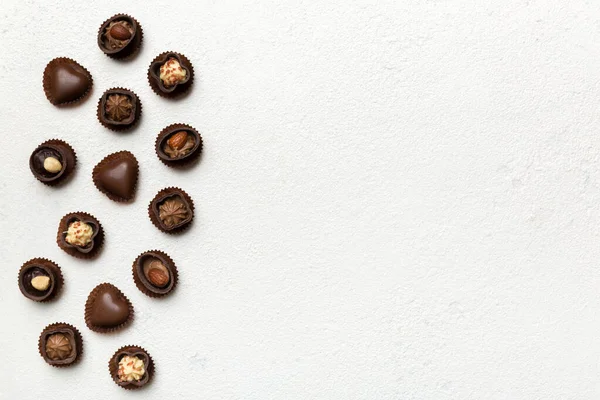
107,309
52,162
116,176
120,36
66,81
131,367
171,210
119,109
178,145
40,279
60,344
170,74
155,273
80,235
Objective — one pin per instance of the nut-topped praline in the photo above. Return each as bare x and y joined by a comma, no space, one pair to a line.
120,36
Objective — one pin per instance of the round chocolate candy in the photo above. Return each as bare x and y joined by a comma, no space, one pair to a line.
52,162
120,36
40,279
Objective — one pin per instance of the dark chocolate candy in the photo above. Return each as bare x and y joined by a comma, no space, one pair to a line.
116,176
60,344
120,36
178,145
119,109
66,81
107,308
52,162
155,273
171,210
40,279
131,351
88,250
170,90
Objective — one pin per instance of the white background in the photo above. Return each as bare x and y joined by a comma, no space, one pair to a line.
397,199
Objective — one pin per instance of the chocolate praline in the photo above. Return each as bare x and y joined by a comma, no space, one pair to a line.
40,279
170,90
178,145
107,309
138,353
120,36
66,81
155,273
116,176
93,241
52,162
60,344
171,210
119,109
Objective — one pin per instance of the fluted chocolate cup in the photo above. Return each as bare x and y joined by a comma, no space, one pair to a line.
157,84
62,350
36,268
132,351
107,309
53,162
66,82
124,47
171,210
88,251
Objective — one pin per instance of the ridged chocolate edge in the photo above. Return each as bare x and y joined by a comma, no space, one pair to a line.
88,307
108,194
140,285
184,162
120,128
154,217
98,240
47,88
113,367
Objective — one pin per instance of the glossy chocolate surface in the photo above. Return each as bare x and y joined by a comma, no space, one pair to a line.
117,176
66,81
107,307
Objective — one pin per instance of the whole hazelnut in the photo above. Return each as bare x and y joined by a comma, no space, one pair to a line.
41,282
52,165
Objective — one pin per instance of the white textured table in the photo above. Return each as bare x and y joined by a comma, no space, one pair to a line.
397,200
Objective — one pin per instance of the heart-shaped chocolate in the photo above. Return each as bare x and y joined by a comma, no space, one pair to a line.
66,81
107,308
116,176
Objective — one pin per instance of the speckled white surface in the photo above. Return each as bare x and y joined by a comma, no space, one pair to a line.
397,200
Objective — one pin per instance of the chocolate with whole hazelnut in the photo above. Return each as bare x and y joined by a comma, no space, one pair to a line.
40,279
52,162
